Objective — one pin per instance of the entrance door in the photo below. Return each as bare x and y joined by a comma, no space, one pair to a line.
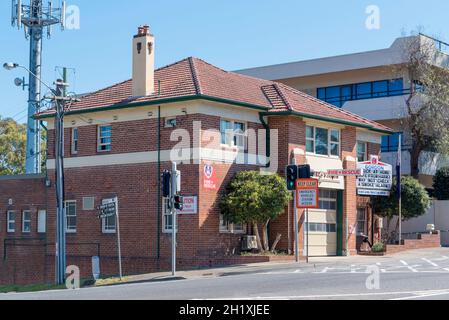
323,226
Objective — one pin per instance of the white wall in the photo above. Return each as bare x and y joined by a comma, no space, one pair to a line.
438,215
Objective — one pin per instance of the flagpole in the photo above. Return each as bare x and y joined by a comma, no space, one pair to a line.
399,187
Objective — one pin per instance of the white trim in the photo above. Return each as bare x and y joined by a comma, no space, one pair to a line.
23,221
66,216
72,142
41,228
189,155
99,144
8,221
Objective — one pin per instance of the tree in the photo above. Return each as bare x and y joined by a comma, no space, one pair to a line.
428,102
253,198
415,202
441,184
12,147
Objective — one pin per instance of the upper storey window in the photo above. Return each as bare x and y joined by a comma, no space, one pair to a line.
104,138
322,141
339,95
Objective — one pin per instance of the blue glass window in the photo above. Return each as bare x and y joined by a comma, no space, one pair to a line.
339,95
391,143
396,87
380,89
363,90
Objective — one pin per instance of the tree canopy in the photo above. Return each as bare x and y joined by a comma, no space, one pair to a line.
441,184
415,200
12,147
254,198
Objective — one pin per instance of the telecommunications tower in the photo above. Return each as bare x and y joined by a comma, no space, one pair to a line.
34,17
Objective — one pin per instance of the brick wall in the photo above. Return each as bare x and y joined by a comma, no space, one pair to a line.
423,241
22,254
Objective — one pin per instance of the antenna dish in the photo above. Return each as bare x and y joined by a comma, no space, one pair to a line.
19,82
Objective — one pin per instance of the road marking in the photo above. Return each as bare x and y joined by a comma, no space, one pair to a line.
430,262
408,266
297,271
417,295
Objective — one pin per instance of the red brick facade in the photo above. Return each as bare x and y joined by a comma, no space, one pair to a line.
200,243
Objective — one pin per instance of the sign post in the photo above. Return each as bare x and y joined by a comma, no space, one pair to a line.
377,178
108,209
307,195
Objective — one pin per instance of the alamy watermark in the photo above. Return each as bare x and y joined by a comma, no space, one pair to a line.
72,19
72,281
373,280
372,22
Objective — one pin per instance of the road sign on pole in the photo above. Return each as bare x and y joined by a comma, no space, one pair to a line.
109,208
307,193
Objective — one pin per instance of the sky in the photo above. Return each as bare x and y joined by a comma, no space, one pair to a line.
232,34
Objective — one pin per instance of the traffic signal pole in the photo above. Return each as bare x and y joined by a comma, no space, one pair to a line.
296,220
174,190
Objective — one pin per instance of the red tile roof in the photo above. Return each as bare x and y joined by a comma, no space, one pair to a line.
196,78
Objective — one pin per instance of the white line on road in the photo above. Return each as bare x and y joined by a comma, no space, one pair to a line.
417,295
420,296
297,271
430,262
408,266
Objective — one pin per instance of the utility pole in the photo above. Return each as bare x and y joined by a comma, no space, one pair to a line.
60,101
34,17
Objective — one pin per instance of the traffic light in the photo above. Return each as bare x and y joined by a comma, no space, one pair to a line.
292,175
179,203
305,172
166,184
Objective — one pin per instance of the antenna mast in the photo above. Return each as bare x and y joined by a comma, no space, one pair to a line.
34,18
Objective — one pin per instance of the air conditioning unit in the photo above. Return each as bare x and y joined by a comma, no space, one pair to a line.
249,243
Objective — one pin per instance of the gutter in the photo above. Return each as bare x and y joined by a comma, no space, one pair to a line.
159,102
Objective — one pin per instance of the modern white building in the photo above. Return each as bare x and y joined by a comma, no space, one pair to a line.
369,84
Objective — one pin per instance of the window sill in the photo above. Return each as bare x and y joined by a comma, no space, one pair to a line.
322,156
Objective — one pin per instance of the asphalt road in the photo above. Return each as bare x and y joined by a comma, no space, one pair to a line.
422,275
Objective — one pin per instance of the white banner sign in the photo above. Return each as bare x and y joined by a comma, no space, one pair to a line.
377,178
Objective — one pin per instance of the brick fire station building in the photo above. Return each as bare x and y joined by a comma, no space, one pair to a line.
214,123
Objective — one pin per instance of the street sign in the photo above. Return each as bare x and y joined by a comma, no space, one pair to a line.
373,193
108,209
190,206
345,172
307,193
377,179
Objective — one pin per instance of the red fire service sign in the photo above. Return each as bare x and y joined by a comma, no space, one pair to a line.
307,193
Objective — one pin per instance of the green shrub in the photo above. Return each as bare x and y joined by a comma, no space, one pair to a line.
441,184
378,247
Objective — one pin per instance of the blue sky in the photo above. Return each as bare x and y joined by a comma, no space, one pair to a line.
232,34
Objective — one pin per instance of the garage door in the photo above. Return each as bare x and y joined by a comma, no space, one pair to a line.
323,226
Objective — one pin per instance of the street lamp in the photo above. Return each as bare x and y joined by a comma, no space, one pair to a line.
10,66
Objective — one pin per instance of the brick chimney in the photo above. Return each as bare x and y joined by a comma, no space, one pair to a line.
143,62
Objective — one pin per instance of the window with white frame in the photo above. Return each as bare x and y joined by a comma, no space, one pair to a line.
42,221
109,224
328,199
75,136
322,141
26,221
361,221
167,217
11,221
104,138
362,151
70,211
233,133
227,227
